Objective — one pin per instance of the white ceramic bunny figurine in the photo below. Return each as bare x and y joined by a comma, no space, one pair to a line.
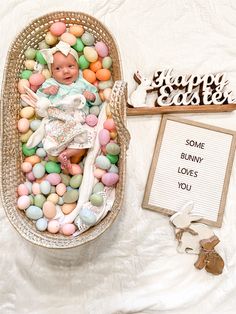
138,96
189,234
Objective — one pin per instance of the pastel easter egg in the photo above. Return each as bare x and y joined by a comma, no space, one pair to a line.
41,152
107,93
75,181
53,189
90,54
113,149
25,74
38,170
50,39
87,39
60,201
98,187
45,187
22,190
49,210
65,179
102,162
68,208
36,188
110,179
69,38
46,73
95,110
23,125
36,79
78,46
30,53
113,169
103,75
28,151
101,49
41,224
53,197
28,184
22,84
43,45
113,134
39,58
30,176
104,137
71,196
109,124
76,30
68,229
83,62
23,202
27,112
106,84
35,124
58,28
87,216
95,66
106,62
53,226
33,159
75,169
113,158
61,189
30,64
98,173
96,199
89,76
34,212
39,200
53,178
91,120
53,167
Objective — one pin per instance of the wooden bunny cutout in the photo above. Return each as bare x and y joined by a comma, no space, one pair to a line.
209,258
138,96
187,233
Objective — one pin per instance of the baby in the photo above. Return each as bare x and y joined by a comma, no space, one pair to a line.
66,133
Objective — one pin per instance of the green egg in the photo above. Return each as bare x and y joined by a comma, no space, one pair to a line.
65,178
87,39
76,180
71,196
96,199
113,158
83,62
98,187
28,151
43,45
78,46
25,74
53,167
40,58
105,84
106,62
39,200
113,149
30,53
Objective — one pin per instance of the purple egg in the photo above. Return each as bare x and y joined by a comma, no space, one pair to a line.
53,178
91,120
104,137
110,178
101,49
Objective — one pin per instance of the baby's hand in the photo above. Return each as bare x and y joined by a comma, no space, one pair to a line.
51,90
89,95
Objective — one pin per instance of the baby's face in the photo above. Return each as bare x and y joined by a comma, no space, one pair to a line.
65,69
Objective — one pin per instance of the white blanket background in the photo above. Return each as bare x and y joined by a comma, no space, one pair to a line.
133,267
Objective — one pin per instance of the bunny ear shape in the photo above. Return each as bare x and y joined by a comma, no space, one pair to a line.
37,136
31,94
28,100
187,208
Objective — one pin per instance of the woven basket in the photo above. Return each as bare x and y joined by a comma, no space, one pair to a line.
11,159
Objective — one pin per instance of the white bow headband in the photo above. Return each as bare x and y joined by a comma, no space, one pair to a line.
63,47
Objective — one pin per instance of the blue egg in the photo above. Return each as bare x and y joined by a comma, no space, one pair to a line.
34,212
35,124
41,224
87,216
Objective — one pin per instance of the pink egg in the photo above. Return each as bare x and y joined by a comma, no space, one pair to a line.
101,49
36,79
91,120
30,176
75,169
104,137
26,166
23,125
53,226
109,124
53,178
110,178
58,28
68,229
22,190
49,209
69,38
23,202
36,188
61,189
98,173
21,85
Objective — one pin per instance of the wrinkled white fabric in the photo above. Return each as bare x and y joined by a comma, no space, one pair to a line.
134,266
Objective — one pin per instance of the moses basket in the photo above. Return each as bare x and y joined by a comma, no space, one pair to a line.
11,159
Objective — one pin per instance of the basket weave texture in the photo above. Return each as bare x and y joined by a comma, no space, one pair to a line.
11,159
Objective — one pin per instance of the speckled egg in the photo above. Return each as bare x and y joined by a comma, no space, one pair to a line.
71,196
49,210
113,148
96,199
109,124
68,38
22,84
76,30
39,200
27,112
75,169
101,49
104,137
53,226
75,181
36,79
23,125
34,212
67,208
68,229
41,224
58,28
110,178
45,187
87,39
22,190
98,173
38,170
90,54
53,197
98,187
102,162
51,39
35,124
87,216
53,178
106,62
91,120
23,202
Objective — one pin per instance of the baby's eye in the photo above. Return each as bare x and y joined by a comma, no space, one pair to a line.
71,66
57,68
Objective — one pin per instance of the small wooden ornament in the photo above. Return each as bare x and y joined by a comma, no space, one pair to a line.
209,258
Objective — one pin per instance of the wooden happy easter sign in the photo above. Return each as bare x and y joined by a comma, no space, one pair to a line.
191,162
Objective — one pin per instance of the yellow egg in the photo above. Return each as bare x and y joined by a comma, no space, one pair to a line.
27,112
25,136
113,135
29,64
50,39
53,198
34,159
67,208
21,85
46,73
90,54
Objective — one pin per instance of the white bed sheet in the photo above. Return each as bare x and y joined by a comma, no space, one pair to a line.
133,267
